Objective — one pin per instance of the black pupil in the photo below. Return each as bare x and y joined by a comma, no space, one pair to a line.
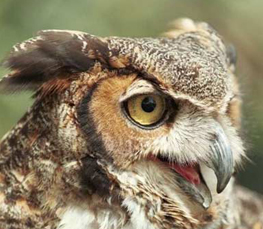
148,104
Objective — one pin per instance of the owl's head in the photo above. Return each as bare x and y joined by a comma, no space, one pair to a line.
157,118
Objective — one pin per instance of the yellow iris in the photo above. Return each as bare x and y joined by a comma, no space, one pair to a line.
146,109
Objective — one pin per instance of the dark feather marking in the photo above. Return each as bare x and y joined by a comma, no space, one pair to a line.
88,126
93,176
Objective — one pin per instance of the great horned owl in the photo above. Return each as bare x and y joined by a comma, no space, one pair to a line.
125,133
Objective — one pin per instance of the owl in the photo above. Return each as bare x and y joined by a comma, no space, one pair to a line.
125,133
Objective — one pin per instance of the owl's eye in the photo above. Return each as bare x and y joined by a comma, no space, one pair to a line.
146,110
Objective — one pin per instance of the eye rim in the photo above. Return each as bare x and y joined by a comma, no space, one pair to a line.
160,122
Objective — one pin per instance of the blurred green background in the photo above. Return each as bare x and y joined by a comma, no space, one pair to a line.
240,22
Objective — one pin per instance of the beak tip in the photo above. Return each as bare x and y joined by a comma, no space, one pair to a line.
219,189
221,186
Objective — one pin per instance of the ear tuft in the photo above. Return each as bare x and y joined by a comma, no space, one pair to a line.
53,54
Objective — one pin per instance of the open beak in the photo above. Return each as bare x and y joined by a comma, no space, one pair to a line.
190,177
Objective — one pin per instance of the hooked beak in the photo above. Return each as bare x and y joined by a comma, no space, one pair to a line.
221,160
191,177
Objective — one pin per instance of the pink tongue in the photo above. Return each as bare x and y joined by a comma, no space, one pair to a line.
189,172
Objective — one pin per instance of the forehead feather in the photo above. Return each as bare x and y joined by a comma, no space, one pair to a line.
193,64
